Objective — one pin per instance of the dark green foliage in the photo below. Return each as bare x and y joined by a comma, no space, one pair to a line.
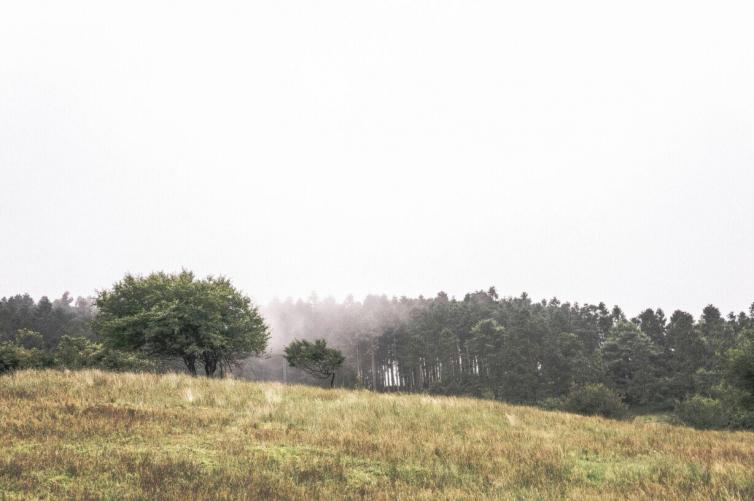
76,352
595,399
23,352
486,348
652,323
520,361
29,339
70,353
566,362
703,412
509,348
686,353
9,359
314,358
517,350
30,331
14,357
175,315
50,319
59,333
741,417
80,353
740,367
629,358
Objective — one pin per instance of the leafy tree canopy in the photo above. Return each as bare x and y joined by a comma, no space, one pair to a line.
176,315
314,358
740,367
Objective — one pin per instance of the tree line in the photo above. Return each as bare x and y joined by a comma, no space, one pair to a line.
157,322
582,357
547,352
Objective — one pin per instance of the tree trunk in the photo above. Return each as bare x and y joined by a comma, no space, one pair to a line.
358,366
332,380
210,365
374,369
190,361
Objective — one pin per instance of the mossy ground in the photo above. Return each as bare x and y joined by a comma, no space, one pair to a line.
97,435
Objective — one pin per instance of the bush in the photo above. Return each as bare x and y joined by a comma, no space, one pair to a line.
80,353
703,412
551,404
487,393
76,353
595,399
70,353
14,357
742,418
114,360
8,357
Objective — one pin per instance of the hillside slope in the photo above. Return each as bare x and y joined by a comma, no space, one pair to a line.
98,435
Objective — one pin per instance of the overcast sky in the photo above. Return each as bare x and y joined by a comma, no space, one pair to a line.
586,150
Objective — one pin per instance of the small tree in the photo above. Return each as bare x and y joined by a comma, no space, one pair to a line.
314,358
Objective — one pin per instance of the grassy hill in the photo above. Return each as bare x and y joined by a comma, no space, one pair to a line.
117,436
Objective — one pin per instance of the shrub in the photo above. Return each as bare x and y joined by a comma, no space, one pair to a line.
15,357
76,352
8,357
487,393
595,399
551,404
114,360
703,412
80,353
742,418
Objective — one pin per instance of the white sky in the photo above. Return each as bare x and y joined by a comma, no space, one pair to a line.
586,150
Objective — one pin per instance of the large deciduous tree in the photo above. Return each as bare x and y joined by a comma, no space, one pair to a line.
205,322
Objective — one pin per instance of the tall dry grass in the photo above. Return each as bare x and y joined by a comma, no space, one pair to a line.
95,435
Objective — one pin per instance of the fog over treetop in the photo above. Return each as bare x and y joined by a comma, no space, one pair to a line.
587,150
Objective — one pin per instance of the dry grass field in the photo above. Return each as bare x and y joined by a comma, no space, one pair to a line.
95,435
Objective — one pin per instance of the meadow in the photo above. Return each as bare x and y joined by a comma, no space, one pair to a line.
98,435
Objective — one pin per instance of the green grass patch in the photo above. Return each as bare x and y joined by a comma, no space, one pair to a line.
95,435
